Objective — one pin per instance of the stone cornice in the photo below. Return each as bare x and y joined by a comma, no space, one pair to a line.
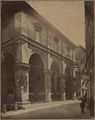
44,48
7,43
22,38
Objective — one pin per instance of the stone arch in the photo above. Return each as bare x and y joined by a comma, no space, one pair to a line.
55,81
36,78
41,54
8,79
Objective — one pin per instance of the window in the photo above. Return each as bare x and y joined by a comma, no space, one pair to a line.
56,43
37,32
68,51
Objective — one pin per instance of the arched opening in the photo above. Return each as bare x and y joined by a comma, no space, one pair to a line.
7,79
55,82
36,78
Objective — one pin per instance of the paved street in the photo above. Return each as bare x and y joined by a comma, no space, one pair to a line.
58,112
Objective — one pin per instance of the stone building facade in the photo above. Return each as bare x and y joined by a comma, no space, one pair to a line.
89,41
37,59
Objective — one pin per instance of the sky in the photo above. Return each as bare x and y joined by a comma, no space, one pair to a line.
66,16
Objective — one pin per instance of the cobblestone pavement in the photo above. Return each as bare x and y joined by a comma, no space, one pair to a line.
66,111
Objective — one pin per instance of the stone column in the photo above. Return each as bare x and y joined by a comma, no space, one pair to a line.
48,85
21,83
62,88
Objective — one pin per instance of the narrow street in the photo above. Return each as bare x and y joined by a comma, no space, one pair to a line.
58,112
47,59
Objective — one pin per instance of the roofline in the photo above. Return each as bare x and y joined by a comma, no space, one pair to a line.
51,26
24,4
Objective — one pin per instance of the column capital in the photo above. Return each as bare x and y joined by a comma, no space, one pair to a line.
22,65
47,71
20,39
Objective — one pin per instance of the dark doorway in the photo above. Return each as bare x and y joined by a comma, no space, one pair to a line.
69,83
36,79
55,82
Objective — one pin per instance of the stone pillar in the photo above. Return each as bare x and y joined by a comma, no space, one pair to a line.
74,95
48,85
21,83
62,88
18,51
21,75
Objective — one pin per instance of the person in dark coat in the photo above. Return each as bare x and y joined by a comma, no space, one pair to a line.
82,104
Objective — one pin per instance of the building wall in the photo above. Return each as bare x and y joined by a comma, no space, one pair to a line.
29,35
89,41
27,24
8,27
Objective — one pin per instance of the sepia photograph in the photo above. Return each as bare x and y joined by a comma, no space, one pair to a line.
47,59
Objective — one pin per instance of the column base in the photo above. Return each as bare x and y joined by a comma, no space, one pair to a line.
48,97
22,104
63,97
74,96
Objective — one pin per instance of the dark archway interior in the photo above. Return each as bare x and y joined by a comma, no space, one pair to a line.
69,83
7,79
55,82
36,79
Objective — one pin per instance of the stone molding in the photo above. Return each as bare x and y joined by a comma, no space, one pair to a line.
22,65
22,38
37,27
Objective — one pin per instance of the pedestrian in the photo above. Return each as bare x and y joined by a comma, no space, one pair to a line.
82,104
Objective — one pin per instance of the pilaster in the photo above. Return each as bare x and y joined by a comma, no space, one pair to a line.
48,85
18,51
63,87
